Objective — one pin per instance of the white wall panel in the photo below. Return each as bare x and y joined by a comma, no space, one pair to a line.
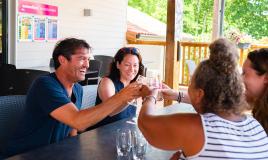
104,30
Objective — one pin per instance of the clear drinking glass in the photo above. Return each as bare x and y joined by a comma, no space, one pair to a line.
123,143
139,146
134,102
152,82
140,79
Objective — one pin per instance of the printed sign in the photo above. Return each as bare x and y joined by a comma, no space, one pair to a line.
39,29
25,28
37,8
52,29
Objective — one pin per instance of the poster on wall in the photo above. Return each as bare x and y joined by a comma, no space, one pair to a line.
39,29
52,29
37,21
25,28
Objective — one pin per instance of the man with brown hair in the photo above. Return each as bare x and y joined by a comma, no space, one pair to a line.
54,101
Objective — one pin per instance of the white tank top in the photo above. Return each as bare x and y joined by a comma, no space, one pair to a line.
224,139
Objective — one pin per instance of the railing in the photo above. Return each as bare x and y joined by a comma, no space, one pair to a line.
195,51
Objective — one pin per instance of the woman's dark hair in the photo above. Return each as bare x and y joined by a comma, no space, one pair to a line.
259,62
220,80
66,48
119,56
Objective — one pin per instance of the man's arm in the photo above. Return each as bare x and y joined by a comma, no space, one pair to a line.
106,90
73,132
80,120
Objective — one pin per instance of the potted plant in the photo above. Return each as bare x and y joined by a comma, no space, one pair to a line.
242,40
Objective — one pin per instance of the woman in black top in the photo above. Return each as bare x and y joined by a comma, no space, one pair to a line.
125,68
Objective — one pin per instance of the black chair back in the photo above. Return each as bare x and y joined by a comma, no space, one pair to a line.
1,58
51,63
95,65
92,75
11,110
106,63
24,79
7,80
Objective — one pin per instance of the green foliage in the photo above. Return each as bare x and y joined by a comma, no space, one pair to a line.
197,16
154,8
249,16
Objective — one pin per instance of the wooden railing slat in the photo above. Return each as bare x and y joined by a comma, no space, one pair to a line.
183,64
189,51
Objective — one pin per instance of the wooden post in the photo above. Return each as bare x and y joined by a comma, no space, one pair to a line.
221,17
171,63
215,22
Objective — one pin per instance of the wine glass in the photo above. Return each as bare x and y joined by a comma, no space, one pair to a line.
140,79
139,146
155,83
123,143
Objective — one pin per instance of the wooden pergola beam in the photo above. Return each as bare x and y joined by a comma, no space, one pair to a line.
171,63
215,22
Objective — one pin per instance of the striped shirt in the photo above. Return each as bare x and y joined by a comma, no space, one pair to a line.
224,139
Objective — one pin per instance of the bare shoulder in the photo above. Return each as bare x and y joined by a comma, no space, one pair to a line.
188,124
188,132
193,133
106,88
177,131
106,83
106,80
